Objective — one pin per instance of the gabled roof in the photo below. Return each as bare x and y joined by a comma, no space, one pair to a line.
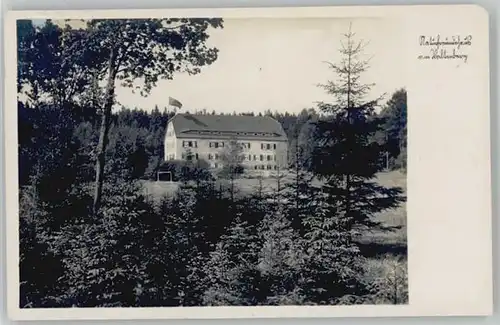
227,126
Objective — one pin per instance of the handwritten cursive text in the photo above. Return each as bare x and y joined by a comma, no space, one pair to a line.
445,47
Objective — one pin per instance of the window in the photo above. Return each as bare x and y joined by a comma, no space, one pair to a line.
249,157
216,165
216,156
268,146
274,146
256,167
269,167
261,157
275,167
254,157
189,144
248,145
262,146
274,157
196,155
268,157
210,156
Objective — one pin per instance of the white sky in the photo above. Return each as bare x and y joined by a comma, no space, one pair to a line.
276,64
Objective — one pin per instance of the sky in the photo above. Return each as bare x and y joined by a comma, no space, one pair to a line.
276,64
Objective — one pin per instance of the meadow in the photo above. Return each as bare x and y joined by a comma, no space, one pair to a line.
374,242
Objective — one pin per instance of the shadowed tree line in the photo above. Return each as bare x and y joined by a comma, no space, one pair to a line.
89,236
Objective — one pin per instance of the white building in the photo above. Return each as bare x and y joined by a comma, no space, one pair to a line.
263,141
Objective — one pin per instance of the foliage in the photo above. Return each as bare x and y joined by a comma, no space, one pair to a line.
394,131
35,261
185,171
232,158
281,262
197,247
387,278
232,274
346,158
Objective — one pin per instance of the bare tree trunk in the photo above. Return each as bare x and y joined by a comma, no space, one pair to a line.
104,131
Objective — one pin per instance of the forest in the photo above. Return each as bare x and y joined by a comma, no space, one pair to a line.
91,237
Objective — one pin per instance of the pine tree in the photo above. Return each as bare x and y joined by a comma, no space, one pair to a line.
280,261
346,159
332,267
188,247
394,116
300,192
232,273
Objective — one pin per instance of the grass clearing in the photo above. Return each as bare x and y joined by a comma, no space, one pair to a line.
373,242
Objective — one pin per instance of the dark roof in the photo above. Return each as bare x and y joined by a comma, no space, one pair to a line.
227,126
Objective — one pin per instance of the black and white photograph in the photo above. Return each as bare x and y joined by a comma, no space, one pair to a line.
211,161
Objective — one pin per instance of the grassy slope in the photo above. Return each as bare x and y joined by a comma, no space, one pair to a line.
390,241
395,240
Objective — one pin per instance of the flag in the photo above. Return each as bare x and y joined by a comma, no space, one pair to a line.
174,102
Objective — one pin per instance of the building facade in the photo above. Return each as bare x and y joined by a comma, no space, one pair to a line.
263,142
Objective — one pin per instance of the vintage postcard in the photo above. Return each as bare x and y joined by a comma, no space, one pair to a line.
259,162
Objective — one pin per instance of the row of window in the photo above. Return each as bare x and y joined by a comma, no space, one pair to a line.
216,157
189,144
263,167
217,144
257,167
262,157
233,133
268,146
245,157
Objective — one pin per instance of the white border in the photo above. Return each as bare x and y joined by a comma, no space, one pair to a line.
449,203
